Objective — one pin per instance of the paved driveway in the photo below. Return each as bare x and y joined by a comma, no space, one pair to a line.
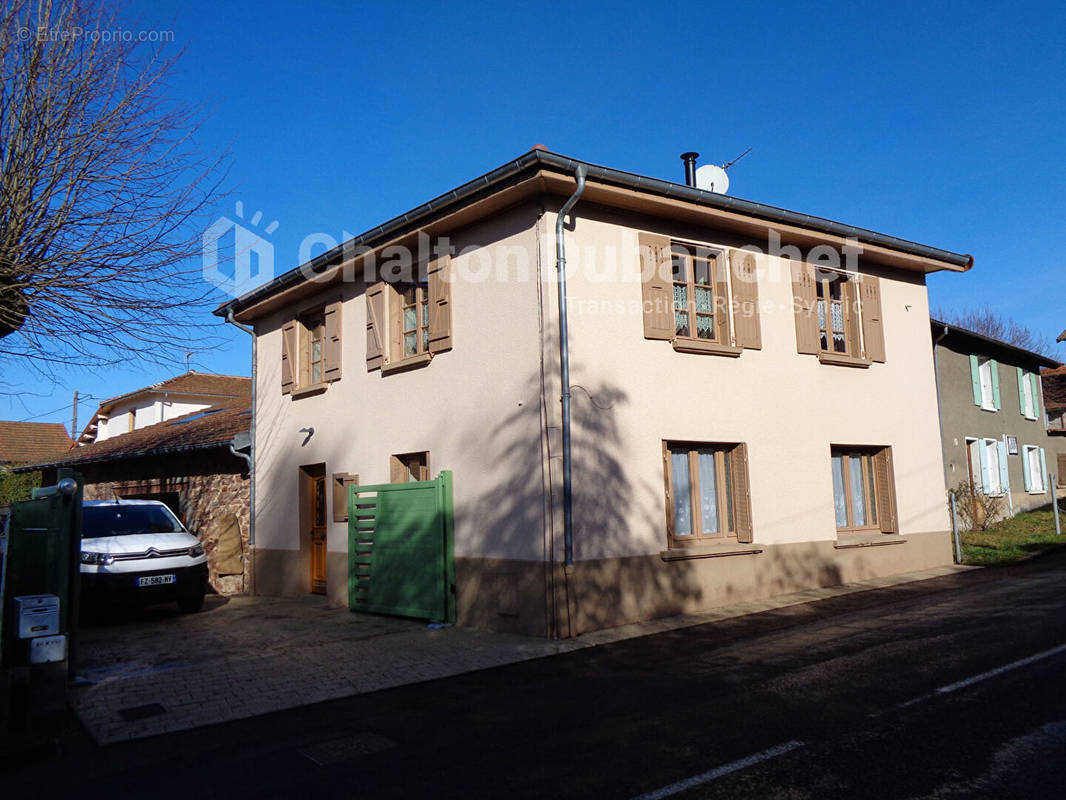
156,670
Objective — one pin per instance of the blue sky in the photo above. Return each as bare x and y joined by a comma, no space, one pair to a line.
940,123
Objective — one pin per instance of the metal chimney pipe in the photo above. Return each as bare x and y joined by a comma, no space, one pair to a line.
690,167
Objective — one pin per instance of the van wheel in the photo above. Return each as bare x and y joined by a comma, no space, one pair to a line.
192,603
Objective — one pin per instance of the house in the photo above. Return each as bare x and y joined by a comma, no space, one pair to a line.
992,416
174,442
752,399
23,442
1053,381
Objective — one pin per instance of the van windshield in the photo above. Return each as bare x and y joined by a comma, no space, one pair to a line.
120,520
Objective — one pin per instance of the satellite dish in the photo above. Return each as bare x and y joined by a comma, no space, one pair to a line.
712,178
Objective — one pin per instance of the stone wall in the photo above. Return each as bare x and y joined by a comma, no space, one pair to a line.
208,487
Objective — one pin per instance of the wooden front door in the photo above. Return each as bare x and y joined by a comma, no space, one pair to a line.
318,534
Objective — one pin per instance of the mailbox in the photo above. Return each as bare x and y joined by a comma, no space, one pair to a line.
37,615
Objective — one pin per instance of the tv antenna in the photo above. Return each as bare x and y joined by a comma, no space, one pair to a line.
728,164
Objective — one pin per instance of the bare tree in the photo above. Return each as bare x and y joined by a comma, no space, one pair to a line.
988,322
103,195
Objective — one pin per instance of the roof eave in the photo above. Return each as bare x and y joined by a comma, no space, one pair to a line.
527,164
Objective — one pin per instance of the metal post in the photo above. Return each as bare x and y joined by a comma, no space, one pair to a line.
1055,503
955,530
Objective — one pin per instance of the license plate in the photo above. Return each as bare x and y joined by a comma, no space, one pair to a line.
156,580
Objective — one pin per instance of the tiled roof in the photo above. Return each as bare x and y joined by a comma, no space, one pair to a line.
212,427
21,442
192,383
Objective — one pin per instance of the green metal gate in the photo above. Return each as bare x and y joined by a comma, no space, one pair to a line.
400,549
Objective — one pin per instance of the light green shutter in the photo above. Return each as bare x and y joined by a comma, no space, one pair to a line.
1025,469
1043,469
1036,395
1021,391
975,379
993,365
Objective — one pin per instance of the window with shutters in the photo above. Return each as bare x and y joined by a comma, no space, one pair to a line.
699,298
1034,469
838,315
707,498
863,489
409,322
1028,393
311,350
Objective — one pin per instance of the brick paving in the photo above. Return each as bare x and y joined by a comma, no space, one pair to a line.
155,671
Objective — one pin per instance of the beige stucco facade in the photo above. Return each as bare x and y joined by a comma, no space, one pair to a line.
488,410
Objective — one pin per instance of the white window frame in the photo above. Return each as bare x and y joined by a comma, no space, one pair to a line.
992,466
988,394
1036,474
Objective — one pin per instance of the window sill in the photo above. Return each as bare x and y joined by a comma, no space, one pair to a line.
847,541
703,347
840,360
990,410
412,362
307,391
709,551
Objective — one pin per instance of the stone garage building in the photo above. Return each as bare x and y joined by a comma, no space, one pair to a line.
186,462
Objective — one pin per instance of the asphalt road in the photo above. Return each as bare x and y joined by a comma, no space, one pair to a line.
944,688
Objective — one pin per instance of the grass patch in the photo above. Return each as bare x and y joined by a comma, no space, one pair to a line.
1012,540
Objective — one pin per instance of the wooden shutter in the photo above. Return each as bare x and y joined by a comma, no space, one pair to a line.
873,331
440,304
1026,473
745,300
1021,390
375,320
333,341
341,482
657,287
741,493
993,366
886,491
720,275
852,319
288,355
395,352
804,299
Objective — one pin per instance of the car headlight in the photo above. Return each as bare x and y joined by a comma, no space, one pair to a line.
196,550
104,559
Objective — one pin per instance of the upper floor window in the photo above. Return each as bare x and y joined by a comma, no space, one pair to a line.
407,322
701,299
837,315
412,303
699,304
984,375
1029,393
311,349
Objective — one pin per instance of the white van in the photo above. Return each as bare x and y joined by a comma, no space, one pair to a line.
137,551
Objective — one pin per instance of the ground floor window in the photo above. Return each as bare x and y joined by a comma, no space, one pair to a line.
987,459
863,490
407,467
1035,469
706,493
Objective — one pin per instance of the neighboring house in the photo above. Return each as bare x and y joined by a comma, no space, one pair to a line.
1054,384
742,425
992,416
166,400
23,442
186,461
